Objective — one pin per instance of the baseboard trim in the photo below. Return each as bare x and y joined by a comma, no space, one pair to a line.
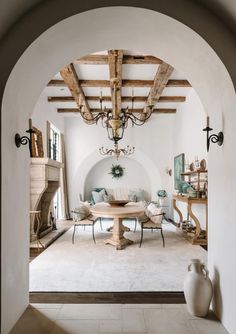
163,297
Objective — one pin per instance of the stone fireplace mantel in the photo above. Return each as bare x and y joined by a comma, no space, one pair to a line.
44,182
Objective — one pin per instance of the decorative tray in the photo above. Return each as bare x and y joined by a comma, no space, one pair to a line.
118,202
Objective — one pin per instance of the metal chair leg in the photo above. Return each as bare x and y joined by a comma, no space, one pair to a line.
93,234
163,239
73,235
100,223
135,225
141,240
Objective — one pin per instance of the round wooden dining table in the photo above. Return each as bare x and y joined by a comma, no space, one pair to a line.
118,213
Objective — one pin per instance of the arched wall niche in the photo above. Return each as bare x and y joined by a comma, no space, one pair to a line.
135,177
159,35
139,157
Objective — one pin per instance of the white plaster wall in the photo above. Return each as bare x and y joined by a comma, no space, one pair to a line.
188,138
177,45
43,112
153,150
135,176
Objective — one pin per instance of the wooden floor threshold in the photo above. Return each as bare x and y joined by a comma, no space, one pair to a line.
164,297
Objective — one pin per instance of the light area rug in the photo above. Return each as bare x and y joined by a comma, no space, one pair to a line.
88,267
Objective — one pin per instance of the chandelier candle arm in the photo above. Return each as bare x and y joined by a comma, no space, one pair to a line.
116,151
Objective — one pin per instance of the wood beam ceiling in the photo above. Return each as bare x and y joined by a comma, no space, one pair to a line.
71,79
125,83
155,111
115,59
123,98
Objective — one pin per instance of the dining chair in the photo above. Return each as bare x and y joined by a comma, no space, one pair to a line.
89,221
153,222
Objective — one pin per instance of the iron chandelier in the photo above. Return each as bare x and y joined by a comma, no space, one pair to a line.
116,120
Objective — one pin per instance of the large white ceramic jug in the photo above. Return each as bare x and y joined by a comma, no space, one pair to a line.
198,289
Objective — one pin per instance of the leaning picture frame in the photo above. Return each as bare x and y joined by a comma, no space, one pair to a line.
178,169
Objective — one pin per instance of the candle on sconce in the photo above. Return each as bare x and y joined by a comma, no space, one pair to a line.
208,121
100,93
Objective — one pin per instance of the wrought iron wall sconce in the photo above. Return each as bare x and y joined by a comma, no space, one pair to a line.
168,171
24,140
219,139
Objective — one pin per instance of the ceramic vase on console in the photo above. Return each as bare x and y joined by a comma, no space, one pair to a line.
161,201
198,289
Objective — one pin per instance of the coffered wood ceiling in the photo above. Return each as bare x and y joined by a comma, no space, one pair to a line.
142,79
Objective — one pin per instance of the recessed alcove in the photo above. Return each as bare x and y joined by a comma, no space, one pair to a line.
135,176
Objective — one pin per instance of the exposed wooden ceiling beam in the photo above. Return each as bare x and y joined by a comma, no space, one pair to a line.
155,111
125,83
140,59
160,81
127,59
115,59
123,98
92,60
71,79
178,83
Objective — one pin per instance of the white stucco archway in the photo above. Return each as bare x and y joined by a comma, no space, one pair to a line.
114,27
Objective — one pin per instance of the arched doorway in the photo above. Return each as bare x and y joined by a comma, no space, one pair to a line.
47,52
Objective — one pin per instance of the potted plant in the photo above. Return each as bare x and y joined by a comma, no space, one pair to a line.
162,194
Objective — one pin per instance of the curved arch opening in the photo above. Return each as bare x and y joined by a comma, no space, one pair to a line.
218,100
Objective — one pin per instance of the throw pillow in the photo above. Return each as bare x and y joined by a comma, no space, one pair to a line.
98,196
151,208
156,217
132,197
108,197
82,212
86,203
139,193
97,190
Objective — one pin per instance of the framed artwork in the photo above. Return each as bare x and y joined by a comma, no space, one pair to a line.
37,143
178,169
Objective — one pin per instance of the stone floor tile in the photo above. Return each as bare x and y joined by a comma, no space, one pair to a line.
133,321
36,321
173,306
76,327
90,311
44,306
114,319
207,326
141,306
166,321
110,326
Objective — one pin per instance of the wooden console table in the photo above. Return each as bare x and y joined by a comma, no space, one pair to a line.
196,239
